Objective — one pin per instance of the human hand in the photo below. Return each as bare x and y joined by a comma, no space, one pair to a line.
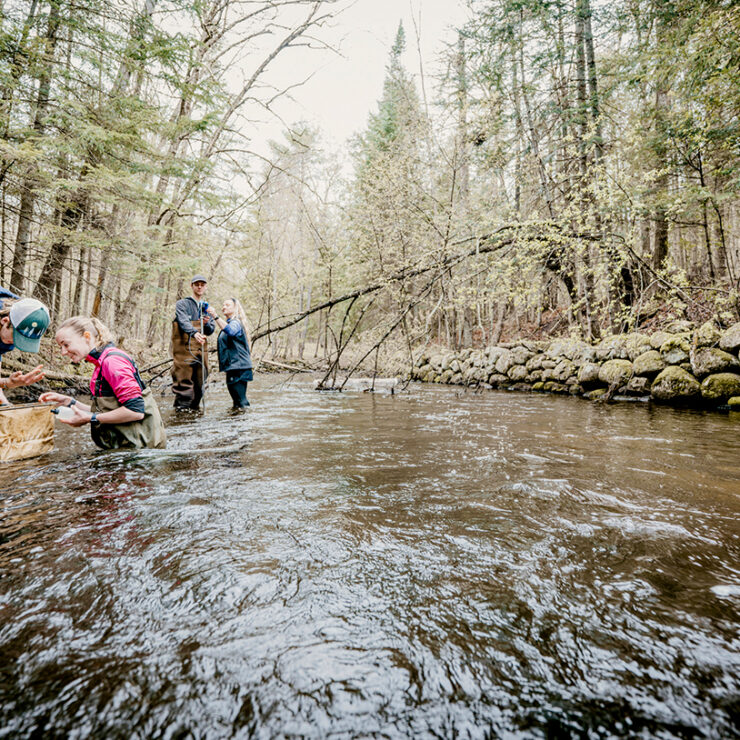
80,417
200,338
51,397
211,311
18,378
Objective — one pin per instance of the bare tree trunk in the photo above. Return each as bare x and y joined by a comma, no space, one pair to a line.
28,195
593,90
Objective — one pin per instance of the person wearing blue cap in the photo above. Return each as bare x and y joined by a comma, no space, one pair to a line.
22,324
190,328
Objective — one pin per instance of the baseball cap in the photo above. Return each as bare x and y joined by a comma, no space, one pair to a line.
199,279
30,319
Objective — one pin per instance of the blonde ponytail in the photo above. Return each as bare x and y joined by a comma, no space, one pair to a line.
97,329
242,319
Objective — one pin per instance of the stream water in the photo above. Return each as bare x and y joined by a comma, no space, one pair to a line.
437,563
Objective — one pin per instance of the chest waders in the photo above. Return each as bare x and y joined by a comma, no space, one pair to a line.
147,432
189,366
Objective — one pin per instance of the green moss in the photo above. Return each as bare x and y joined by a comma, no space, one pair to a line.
675,384
720,387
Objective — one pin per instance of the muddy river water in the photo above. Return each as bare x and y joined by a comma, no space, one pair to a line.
431,564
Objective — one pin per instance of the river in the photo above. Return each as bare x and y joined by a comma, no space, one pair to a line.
438,563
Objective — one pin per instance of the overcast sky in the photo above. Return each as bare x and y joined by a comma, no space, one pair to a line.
345,88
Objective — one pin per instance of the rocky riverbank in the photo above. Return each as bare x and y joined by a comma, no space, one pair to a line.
681,365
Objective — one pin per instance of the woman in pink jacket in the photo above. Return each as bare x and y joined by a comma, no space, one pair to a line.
123,412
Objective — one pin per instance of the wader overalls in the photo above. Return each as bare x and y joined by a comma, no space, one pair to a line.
148,432
187,371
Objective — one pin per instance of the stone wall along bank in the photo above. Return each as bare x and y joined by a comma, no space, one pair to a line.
681,365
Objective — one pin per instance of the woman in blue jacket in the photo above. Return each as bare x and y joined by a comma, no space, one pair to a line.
234,357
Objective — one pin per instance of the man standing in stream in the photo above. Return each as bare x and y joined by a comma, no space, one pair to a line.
190,347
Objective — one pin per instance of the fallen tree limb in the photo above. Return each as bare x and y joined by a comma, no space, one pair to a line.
450,261
536,231
283,366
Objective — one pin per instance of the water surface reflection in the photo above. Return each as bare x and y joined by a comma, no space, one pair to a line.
435,563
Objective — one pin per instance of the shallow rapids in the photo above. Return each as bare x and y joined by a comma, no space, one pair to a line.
437,563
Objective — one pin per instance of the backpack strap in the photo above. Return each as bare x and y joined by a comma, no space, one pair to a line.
100,379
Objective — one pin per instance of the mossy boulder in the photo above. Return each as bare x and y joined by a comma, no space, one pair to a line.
469,376
535,362
616,372
637,386
552,387
575,350
734,403
588,375
679,326
455,366
504,362
675,384
708,334
517,373
612,348
658,339
497,379
636,345
535,375
720,387
476,358
445,376
456,379
429,377
730,339
521,354
649,363
563,370
676,349
710,360
595,394
538,386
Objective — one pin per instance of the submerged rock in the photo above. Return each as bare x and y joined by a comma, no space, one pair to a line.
720,387
675,384
709,360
